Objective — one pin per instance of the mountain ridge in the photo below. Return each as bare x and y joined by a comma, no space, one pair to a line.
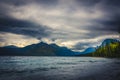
44,49
40,49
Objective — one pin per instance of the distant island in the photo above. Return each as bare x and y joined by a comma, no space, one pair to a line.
108,48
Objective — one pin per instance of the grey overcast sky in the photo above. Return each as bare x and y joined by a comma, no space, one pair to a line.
76,24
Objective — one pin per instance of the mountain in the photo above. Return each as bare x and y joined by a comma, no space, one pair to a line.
40,49
10,50
109,41
86,51
108,48
89,50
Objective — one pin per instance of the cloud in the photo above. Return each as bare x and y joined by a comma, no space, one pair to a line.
24,2
64,22
23,27
88,3
16,39
110,25
93,42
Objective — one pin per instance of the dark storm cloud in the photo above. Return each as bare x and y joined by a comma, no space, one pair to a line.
111,3
111,8
23,27
14,2
47,2
113,24
5,4
24,2
88,3
104,3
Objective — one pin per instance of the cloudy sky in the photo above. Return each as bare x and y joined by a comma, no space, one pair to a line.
76,24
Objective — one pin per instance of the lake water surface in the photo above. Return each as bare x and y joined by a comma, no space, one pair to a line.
59,68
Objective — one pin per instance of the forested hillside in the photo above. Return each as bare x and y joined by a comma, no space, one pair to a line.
110,50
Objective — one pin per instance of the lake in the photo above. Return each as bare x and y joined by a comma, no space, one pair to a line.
59,68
